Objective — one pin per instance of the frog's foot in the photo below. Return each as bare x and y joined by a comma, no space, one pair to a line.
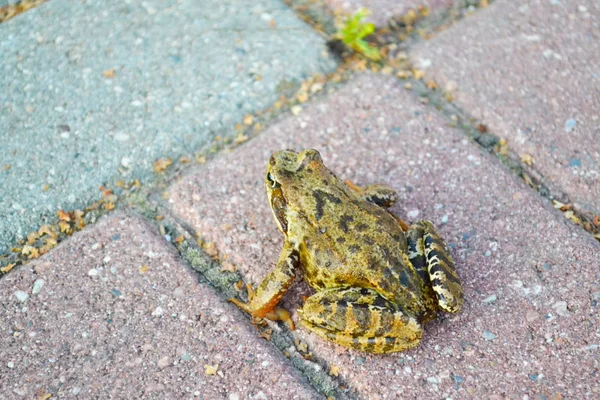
275,314
381,195
430,256
262,303
361,319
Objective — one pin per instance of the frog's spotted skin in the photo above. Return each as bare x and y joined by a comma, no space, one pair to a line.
377,280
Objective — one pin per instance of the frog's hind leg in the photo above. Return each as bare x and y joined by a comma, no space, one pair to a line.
361,319
381,195
430,256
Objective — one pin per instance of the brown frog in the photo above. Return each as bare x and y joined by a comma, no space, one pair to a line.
378,281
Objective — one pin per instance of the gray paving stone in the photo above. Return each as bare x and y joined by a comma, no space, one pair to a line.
529,326
184,72
383,10
114,313
529,71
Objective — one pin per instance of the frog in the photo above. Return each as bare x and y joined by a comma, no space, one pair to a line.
377,280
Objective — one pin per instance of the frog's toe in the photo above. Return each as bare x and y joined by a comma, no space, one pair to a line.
432,260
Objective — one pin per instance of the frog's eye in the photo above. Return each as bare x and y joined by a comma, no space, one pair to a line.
272,181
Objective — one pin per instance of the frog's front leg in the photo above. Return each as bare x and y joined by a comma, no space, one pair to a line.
262,303
430,256
361,319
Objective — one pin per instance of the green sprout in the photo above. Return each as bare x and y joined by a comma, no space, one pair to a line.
354,30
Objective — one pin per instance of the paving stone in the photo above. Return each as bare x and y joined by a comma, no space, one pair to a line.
530,321
112,86
116,314
529,71
383,10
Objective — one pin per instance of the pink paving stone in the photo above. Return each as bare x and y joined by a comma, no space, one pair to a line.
530,322
529,71
383,10
101,328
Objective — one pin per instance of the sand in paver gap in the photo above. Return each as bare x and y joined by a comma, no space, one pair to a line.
529,325
528,70
114,312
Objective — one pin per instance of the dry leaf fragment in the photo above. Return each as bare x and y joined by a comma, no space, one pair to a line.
143,269
47,230
109,206
228,267
596,221
266,334
63,216
431,84
239,285
7,268
109,73
418,74
159,217
120,184
64,227
211,249
32,237
211,369
30,252
302,97
200,159
161,164
179,239
45,188
334,370
240,138
184,160
248,119
6,167
301,345
105,191
526,158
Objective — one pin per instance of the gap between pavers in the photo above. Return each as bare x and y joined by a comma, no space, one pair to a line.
530,320
527,70
114,312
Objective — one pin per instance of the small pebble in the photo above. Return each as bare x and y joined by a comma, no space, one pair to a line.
561,308
93,272
444,219
10,365
158,312
115,292
433,379
37,286
21,295
490,299
489,335
488,253
412,214
570,124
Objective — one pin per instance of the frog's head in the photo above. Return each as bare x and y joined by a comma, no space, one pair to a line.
287,176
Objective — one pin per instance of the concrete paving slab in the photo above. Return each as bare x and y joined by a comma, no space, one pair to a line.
529,326
529,71
95,91
383,10
114,313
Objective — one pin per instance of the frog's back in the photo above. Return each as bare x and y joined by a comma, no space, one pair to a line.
347,241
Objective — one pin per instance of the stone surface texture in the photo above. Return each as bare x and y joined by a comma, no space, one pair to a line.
95,91
529,71
114,313
383,10
530,323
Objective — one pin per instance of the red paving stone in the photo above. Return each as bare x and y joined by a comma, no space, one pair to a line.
383,10
101,327
529,71
530,323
